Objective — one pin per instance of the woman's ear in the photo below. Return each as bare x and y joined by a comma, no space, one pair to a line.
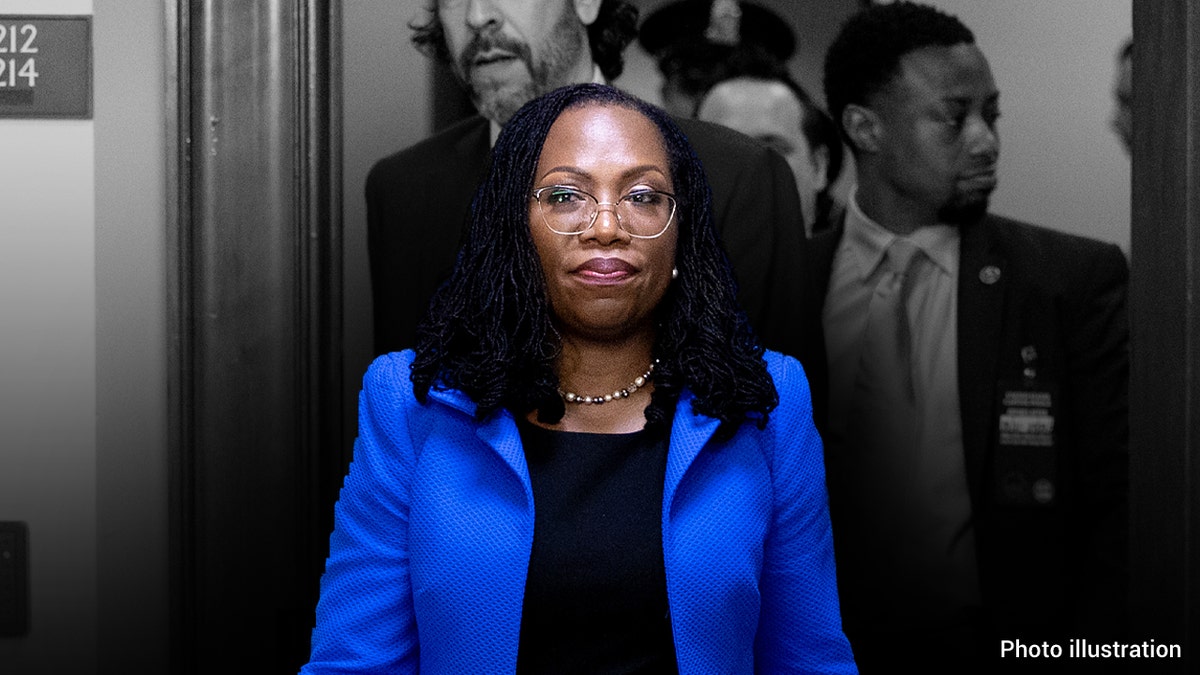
587,11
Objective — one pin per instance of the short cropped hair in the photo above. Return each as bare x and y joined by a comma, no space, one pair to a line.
612,31
865,56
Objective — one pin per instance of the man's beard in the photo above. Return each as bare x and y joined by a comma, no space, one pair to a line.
963,210
500,101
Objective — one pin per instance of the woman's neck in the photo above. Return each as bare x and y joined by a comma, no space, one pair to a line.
592,368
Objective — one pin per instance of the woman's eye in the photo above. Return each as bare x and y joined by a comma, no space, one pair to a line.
645,197
564,197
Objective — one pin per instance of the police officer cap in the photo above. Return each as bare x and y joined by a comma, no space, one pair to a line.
735,23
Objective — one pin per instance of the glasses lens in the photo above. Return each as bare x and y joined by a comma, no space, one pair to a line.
569,211
646,214
566,210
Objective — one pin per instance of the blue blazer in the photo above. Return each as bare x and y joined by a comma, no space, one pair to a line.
434,527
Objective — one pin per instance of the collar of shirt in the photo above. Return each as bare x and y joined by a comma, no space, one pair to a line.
867,240
597,78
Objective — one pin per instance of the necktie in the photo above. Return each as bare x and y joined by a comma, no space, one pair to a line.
882,421
896,518
885,368
879,442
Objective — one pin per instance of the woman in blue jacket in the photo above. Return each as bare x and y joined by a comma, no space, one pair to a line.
588,464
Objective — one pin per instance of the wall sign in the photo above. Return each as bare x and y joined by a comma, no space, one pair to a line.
45,66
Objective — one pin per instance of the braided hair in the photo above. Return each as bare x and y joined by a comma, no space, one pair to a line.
489,331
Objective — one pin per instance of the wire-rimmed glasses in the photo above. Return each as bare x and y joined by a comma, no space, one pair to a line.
643,214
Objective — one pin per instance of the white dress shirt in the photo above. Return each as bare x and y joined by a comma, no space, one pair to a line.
911,503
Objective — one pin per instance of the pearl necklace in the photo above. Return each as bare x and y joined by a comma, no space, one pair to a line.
638,383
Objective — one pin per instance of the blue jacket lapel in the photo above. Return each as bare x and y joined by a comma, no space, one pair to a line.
689,434
499,432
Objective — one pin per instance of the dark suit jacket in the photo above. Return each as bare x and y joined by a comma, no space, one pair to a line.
418,202
1048,571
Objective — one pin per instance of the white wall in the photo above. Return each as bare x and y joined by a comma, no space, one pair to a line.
1054,62
131,335
48,374
82,365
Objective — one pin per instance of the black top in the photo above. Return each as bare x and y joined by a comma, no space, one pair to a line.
596,595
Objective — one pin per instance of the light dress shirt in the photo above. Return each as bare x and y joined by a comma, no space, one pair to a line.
911,505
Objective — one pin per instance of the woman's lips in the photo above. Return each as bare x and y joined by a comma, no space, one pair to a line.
604,270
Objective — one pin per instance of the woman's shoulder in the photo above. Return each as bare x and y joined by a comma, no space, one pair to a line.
388,385
389,379
787,373
793,414
387,368
389,411
795,449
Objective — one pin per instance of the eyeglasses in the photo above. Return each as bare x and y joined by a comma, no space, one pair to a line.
643,214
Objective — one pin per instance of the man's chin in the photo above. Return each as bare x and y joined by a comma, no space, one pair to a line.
499,104
963,213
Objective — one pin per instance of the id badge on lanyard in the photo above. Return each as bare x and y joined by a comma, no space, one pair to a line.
1026,458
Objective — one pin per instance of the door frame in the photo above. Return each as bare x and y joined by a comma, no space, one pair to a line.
254,275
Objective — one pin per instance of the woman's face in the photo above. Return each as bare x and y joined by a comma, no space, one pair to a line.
603,283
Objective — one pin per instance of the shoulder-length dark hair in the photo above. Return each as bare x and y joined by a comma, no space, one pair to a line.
489,331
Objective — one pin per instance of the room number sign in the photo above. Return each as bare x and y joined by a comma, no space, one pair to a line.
45,66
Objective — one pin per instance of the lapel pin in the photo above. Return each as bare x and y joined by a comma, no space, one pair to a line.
989,275
1043,491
